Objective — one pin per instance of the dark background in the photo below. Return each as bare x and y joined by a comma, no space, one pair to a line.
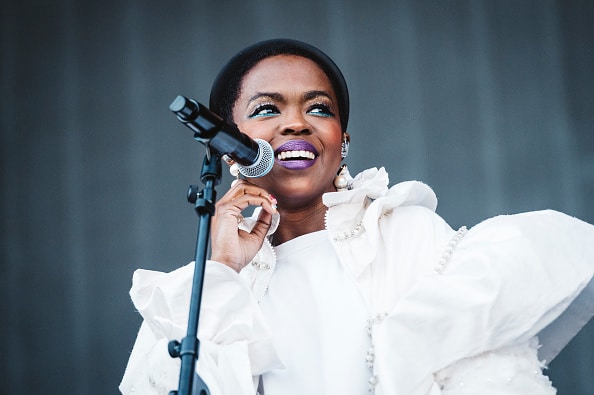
489,102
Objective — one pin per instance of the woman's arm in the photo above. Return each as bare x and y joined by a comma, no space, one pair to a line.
235,342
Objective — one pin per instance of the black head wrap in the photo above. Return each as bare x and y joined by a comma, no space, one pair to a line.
226,86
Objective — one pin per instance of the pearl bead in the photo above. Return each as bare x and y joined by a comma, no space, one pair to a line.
234,170
340,182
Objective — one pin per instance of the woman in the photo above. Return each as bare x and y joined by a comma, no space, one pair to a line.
345,286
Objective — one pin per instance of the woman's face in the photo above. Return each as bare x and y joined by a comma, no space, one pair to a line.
288,101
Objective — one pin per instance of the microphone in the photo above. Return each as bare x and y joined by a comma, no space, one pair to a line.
254,157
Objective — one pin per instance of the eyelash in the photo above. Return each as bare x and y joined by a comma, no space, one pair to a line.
269,109
324,110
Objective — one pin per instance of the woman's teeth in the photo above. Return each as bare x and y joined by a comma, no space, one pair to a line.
287,155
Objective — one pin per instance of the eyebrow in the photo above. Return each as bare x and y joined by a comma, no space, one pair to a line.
309,95
269,95
313,94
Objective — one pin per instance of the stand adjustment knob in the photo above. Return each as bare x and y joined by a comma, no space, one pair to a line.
174,348
194,193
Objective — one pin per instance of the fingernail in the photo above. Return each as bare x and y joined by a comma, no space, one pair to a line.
273,201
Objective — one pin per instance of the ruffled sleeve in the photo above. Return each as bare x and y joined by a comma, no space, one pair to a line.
235,343
508,278
353,215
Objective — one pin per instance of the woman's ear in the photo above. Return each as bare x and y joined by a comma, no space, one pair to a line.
228,160
233,167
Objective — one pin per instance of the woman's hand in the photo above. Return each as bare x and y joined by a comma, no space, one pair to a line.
230,245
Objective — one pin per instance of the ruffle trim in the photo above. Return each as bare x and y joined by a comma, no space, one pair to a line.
352,216
512,370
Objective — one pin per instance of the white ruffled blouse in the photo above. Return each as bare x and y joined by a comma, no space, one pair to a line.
448,312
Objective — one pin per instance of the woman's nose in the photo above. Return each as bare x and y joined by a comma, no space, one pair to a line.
295,123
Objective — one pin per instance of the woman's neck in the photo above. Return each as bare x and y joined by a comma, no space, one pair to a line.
295,223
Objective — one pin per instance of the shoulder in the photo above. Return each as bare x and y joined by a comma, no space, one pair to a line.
412,193
408,207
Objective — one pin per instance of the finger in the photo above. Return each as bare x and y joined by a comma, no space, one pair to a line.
243,187
246,188
262,225
241,203
248,195
230,213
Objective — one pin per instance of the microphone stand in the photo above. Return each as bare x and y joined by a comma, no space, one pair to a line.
204,205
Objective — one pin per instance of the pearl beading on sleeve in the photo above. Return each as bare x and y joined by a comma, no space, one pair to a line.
370,357
447,253
352,233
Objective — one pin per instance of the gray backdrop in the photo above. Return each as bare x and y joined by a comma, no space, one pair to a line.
489,102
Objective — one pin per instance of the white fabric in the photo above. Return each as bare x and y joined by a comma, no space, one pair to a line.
556,336
318,319
506,280
507,371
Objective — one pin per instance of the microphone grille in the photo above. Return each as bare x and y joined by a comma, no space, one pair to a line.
263,163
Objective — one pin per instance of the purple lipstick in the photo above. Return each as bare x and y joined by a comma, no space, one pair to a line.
296,155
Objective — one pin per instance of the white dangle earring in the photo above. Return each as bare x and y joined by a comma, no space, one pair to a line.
343,180
344,148
233,168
